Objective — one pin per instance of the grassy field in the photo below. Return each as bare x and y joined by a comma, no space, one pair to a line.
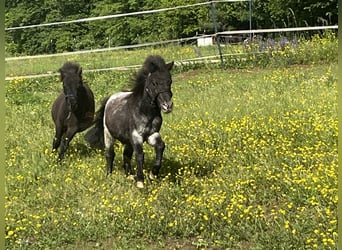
250,163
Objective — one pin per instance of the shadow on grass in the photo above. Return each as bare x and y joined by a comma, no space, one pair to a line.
82,149
172,168
175,170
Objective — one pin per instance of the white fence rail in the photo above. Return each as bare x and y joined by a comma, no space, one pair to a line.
181,40
185,61
235,32
258,31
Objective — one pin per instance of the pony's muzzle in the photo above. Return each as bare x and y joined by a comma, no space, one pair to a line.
73,106
166,107
164,100
72,103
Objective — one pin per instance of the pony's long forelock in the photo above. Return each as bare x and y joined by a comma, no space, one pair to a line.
152,64
70,68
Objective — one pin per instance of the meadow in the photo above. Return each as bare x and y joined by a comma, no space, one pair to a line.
250,163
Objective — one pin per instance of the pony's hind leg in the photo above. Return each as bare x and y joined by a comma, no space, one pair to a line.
110,155
109,151
127,157
156,141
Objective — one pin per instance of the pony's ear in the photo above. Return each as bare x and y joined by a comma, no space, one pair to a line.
79,71
169,66
61,74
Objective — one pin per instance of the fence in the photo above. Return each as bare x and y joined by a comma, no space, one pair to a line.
216,36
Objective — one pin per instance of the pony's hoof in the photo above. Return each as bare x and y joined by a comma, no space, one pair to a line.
140,184
130,177
152,176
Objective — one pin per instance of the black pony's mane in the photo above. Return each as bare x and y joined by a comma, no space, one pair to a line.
151,64
71,69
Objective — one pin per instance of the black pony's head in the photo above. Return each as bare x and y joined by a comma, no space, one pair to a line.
71,77
155,79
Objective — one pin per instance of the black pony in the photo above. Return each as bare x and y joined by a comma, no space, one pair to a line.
73,110
134,117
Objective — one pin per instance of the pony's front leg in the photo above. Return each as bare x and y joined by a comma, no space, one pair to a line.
56,140
137,144
58,136
156,141
139,157
69,134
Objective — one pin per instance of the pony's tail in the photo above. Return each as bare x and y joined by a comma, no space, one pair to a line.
95,135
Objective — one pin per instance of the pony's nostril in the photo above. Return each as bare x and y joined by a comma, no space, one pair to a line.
166,107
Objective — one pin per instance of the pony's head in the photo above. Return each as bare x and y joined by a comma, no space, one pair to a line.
157,82
71,77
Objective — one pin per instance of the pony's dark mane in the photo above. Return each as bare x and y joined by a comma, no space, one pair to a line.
151,64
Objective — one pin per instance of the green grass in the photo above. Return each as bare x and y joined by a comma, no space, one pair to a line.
250,163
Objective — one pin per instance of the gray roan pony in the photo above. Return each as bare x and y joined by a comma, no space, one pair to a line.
73,110
134,117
